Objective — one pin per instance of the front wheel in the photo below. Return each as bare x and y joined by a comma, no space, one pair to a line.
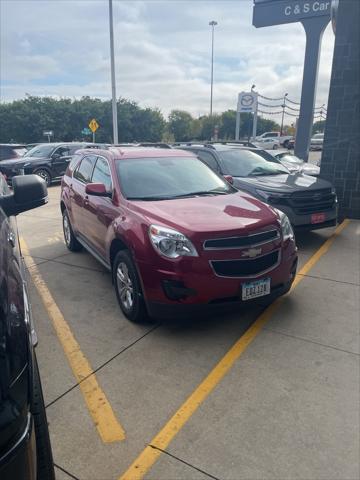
44,174
128,288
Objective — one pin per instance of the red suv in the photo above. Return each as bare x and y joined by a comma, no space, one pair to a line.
174,233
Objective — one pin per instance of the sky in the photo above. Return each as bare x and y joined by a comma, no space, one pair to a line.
162,52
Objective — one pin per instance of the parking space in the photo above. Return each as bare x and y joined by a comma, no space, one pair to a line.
282,404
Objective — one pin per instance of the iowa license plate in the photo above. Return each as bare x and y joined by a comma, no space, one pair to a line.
259,288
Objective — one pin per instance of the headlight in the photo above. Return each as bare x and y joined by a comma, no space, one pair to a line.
286,228
170,243
272,196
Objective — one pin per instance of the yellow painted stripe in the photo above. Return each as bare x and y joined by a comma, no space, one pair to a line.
99,407
150,455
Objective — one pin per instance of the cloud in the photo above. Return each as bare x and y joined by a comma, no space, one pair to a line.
162,49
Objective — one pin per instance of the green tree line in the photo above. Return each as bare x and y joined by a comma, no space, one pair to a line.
24,121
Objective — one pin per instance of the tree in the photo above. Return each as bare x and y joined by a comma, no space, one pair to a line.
24,121
319,127
180,124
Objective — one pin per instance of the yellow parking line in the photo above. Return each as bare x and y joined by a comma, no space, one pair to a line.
99,407
150,455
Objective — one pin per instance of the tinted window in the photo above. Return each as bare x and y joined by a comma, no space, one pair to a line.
168,177
102,173
74,161
62,151
42,151
245,163
209,160
84,171
270,135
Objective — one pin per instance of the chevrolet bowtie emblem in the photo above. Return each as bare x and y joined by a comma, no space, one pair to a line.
252,252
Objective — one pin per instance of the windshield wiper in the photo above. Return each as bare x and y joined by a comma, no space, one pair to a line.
150,198
258,174
202,192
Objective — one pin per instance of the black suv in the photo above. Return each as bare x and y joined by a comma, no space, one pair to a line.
309,202
48,160
25,451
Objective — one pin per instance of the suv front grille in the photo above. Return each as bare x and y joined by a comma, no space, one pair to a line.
312,201
244,241
246,267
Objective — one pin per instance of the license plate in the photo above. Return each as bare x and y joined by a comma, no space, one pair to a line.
259,288
318,218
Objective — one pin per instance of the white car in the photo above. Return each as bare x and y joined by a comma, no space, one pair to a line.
268,143
317,141
295,164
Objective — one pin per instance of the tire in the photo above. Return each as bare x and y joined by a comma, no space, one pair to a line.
275,147
128,288
45,465
70,240
286,144
45,174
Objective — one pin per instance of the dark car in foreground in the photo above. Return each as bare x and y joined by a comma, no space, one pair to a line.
25,451
309,202
48,160
11,150
176,236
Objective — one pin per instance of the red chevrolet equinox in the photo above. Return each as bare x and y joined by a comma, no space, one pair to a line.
176,236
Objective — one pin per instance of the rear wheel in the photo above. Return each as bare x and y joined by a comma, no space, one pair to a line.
128,288
45,466
43,173
70,240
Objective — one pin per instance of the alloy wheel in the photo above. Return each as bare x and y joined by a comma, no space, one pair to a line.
125,286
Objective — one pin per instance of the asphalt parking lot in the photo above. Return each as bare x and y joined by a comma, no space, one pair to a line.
270,394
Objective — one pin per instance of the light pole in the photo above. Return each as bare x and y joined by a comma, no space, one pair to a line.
283,113
113,87
212,24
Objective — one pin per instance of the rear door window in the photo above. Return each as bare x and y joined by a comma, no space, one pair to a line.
84,171
209,159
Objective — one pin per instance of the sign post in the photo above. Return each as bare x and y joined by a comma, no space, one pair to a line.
247,102
314,16
48,134
93,125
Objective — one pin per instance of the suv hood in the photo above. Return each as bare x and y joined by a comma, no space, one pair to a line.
218,213
283,183
19,161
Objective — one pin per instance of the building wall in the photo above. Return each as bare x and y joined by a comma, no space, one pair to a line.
341,155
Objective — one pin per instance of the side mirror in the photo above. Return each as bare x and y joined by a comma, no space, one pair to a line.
229,179
29,191
97,189
55,156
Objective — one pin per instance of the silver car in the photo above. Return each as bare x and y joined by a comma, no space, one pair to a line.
317,141
294,163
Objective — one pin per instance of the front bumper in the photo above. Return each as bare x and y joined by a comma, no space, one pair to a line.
191,286
304,221
19,461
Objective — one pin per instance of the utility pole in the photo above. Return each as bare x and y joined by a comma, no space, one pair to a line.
283,113
212,24
113,86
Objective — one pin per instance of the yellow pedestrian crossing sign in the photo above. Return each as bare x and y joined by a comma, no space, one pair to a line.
93,125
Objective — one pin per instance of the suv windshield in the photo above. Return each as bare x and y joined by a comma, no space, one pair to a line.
247,163
40,151
166,178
